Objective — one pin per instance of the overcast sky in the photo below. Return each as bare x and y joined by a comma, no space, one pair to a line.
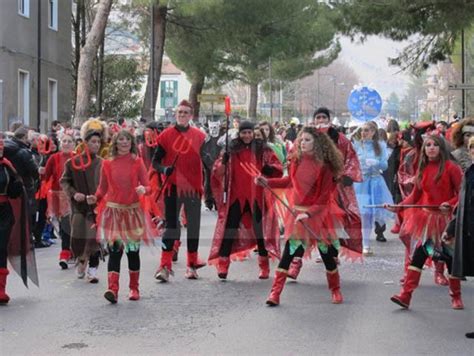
370,61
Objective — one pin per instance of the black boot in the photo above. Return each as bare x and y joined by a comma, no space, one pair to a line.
379,230
470,335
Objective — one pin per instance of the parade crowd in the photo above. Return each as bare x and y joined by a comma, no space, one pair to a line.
283,191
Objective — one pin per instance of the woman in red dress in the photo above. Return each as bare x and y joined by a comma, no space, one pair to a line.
121,222
59,206
312,182
437,184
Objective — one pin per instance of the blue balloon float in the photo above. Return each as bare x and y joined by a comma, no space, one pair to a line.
364,104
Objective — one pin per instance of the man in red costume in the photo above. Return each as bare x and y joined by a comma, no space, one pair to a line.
246,219
346,197
178,159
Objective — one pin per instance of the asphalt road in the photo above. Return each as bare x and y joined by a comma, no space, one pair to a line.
68,316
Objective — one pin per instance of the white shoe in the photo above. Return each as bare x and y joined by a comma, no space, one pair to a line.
92,275
81,269
367,251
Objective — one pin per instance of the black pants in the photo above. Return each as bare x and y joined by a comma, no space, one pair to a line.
65,232
421,255
6,224
94,260
192,209
328,257
40,220
115,256
232,225
208,196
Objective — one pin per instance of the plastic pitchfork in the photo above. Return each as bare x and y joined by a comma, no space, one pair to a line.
81,160
151,137
181,146
45,145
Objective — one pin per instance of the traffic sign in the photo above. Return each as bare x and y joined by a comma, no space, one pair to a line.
461,86
210,98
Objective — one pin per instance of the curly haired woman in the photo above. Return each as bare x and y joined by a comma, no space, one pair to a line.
313,171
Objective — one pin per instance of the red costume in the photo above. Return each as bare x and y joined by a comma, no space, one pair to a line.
422,224
122,218
249,198
58,202
187,175
311,190
346,197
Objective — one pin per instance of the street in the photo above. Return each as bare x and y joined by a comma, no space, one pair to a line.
69,316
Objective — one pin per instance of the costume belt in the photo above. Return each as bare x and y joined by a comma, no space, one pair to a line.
111,204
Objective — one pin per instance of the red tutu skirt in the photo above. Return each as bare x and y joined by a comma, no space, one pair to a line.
420,225
59,204
124,223
326,226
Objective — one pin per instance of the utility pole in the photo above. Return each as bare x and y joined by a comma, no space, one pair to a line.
38,68
152,61
463,76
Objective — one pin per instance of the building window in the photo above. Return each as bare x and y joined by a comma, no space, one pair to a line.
24,8
169,94
24,97
53,14
52,100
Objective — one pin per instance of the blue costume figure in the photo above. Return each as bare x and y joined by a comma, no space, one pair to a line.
373,190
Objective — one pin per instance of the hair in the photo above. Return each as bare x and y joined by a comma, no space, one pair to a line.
470,143
375,139
271,135
443,157
21,132
133,148
382,134
186,103
324,150
457,136
393,126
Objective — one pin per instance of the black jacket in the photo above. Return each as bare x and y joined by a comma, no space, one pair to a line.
21,157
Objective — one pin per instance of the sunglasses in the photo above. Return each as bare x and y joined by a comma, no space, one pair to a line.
184,112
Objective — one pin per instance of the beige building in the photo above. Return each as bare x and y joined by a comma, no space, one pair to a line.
35,47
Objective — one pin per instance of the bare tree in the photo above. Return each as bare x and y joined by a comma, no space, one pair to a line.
86,62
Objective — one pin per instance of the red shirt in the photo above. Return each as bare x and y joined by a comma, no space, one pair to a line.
55,168
432,192
119,177
312,182
187,175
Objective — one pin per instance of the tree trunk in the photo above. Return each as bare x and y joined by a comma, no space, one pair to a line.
154,72
76,25
253,101
196,89
86,62
100,78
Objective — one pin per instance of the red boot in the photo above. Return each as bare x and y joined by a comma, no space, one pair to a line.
133,285
164,271
455,293
405,266
223,267
264,264
64,257
334,286
112,293
277,288
4,298
191,272
176,246
412,279
295,268
439,277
